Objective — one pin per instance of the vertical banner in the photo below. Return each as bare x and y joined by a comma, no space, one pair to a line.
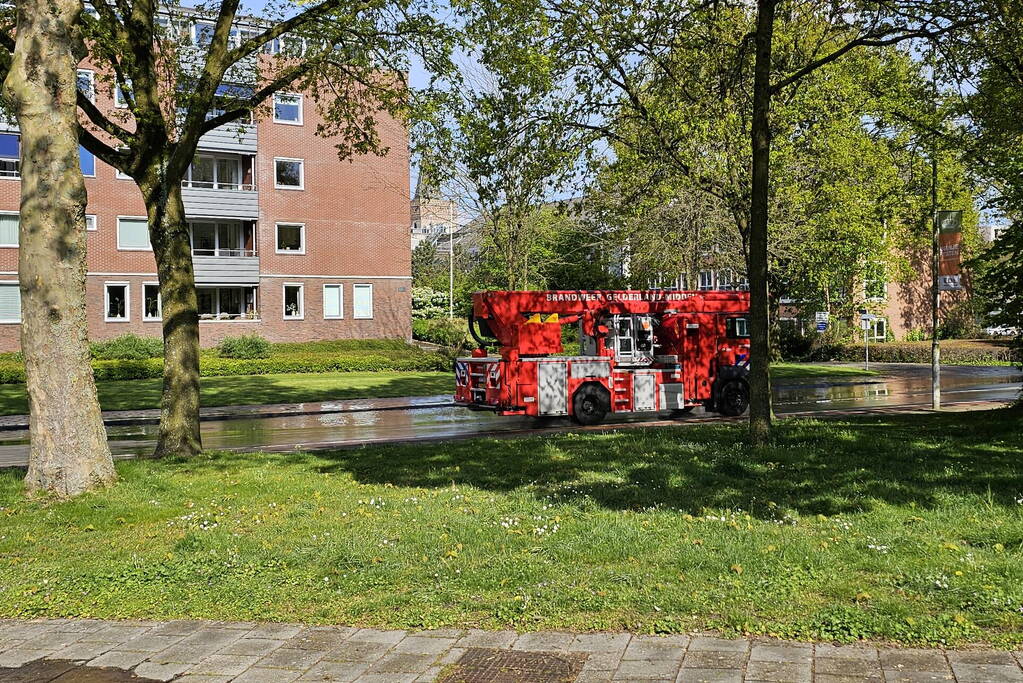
950,238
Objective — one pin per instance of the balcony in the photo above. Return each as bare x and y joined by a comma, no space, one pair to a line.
223,253
220,200
231,137
219,269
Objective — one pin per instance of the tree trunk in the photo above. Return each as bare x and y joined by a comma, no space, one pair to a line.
68,453
179,404
760,347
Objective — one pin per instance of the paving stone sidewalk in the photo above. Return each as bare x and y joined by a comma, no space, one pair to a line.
214,652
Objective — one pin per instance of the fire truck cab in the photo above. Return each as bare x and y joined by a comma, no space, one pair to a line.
640,351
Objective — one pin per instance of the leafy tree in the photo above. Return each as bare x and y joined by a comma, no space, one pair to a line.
607,55
68,452
348,55
993,59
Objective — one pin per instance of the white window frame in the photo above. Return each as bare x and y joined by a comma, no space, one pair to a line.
372,307
137,218
117,171
16,283
301,301
92,82
216,183
18,214
301,104
127,302
872,333
301,174
94,221
159,302
18,176
120,103
95,159
277,249
341,301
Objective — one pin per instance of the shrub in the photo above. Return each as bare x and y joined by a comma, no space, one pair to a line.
917,335
428,303
952,352
245,346
960,322
127,347
442,331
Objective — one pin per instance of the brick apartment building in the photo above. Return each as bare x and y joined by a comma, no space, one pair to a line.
288,241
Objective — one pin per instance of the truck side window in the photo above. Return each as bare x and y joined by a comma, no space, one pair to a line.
735,328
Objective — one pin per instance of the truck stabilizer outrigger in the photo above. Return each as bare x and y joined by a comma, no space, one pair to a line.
640,351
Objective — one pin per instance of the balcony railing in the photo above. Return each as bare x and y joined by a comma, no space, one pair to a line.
210,185
232,253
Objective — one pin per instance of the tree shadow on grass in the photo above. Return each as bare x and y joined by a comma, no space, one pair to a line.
827,467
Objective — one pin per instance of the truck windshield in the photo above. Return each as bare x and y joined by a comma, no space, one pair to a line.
735,328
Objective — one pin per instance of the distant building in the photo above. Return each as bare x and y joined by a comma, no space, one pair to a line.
434,218
287,240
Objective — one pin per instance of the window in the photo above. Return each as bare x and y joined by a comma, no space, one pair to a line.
120,101
202,33
10,302
878,329
229,238
116,302
735,328
86,84
362,302
288,109
133,234
117,172
226,303
10,156
289,46
293,302
227,96
91,222
87,162
706,279
725,279
288,174
333,299
290,238
152,308
218,173
9,229
875,286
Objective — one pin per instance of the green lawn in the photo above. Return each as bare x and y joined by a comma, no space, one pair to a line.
794,371
907,528
258,389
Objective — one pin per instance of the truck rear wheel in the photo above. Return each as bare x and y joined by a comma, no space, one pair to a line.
733,398
590,405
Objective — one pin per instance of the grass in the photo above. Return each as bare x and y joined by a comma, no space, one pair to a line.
790,371
257,389
902,528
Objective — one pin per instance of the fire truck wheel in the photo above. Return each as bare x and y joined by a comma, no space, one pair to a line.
734,398
590,404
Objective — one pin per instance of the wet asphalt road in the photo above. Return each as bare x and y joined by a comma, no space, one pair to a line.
903,386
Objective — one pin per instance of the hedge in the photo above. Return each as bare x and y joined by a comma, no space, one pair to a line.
954,352
12,371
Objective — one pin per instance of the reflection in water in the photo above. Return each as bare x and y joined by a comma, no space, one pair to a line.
959,384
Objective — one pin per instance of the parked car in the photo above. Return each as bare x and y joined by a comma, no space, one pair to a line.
1002,331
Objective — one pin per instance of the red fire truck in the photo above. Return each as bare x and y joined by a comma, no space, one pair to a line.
640,351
